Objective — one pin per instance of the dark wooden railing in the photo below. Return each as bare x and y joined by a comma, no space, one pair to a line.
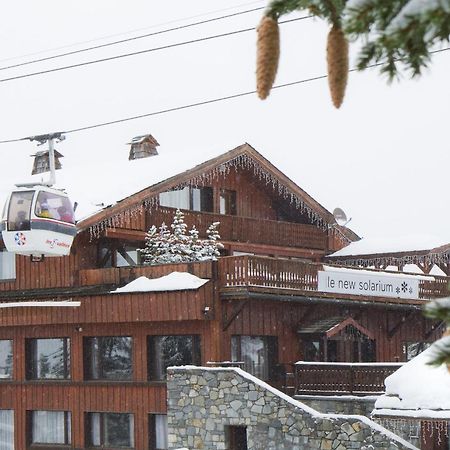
263,271
342,378
243,271
271,272
247,229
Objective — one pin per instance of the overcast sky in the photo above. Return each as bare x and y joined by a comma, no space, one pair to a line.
383,157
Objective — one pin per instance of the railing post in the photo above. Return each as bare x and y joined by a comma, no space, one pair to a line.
352,380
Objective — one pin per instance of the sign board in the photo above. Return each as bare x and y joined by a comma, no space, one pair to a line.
356,282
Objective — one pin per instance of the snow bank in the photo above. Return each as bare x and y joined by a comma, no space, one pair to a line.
175,281
418,386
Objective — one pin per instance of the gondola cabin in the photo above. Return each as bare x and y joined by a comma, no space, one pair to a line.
38,221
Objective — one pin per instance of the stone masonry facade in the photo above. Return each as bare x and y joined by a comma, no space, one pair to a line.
203,402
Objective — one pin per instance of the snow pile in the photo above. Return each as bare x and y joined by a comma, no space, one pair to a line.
175,281
418,387
381,245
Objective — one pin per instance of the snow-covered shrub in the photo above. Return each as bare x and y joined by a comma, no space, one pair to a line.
176,244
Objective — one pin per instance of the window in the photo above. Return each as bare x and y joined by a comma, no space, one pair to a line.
114,254
227,203
166,351
127,255
7,265
109,430
48,359
54,206
259,354
6,429
193,198
49,427
157,432
6,360
108,358
19,210
412,349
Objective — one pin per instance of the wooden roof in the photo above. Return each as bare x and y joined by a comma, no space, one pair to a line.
331,326
244,150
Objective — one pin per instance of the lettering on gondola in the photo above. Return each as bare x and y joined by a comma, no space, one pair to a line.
366,283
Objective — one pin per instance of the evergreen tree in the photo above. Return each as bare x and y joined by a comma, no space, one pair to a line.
440,310
163,246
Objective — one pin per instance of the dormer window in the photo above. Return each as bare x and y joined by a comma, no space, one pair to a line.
193,198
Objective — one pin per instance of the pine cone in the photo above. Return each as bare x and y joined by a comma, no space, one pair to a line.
268,53
337,60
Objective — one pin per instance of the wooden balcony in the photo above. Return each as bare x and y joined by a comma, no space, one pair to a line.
240,272
323,378
247,229
278,273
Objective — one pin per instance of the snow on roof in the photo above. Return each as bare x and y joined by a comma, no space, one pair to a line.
418,389
97,184
377,273
307,409
381,245
175,281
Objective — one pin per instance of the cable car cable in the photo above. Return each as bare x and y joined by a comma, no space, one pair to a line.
134,38
191,105
125,32
140,52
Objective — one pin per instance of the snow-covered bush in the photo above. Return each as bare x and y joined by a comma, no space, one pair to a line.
178,245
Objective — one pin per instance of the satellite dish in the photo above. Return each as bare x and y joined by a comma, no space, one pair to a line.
340,217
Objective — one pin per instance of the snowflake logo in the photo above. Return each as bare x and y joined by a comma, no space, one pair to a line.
404,286
410,290
397,289
20,239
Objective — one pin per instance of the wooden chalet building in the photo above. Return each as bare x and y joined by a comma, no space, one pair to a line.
90,374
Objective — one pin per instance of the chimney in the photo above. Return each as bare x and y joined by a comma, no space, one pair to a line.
143,147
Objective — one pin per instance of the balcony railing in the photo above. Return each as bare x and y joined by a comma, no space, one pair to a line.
235,271
324,378
247,229
244,271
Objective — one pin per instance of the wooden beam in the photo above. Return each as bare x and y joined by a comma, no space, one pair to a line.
392,332
433,328
236,311
123,233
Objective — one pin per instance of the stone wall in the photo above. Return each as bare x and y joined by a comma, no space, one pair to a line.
202,402
340,405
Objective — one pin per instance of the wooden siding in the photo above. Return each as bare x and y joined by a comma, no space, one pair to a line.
118,308
259,317
78,396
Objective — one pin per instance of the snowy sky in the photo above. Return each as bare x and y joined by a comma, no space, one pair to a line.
383,157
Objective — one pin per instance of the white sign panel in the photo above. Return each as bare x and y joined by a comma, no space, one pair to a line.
375,285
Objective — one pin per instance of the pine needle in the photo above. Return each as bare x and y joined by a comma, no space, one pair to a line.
268,53
337,60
